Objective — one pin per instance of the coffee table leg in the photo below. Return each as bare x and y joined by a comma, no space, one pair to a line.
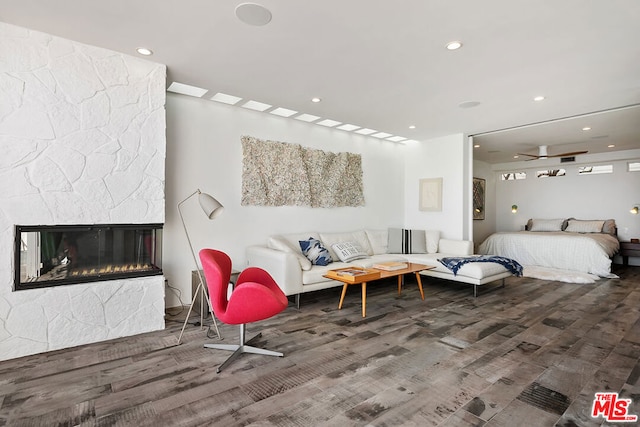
344,292
364,299
399,284
420,284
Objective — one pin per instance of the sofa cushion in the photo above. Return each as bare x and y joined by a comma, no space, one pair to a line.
374,259
433,238
378,239
359,237
348,251
313,249
404,241
315,275
280,243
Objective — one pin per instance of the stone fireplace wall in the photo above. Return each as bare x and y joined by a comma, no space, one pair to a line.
82,141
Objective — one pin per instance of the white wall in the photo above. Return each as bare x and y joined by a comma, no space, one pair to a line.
599,196
204,151
438,158
82,142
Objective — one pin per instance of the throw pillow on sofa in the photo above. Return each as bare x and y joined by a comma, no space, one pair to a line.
282,244
348,251
403,241
315,252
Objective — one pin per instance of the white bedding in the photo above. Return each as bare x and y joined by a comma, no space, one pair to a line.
585,252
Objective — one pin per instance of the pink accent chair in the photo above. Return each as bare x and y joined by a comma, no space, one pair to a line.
255,296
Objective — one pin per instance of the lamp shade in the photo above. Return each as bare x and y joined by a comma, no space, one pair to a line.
211,207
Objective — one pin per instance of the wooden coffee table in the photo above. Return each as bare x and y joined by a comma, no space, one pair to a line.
365,278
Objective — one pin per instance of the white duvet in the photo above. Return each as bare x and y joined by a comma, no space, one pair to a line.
588,253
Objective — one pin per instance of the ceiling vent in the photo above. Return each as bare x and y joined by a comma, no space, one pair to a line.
567,159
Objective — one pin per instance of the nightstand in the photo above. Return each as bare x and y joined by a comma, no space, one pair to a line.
628,249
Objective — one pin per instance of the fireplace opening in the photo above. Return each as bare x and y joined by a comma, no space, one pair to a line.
53,255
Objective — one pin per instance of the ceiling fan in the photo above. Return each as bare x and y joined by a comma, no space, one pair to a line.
542,153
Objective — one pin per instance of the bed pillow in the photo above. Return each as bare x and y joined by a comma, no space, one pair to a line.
348,251
546,225
609,227
580,226
378,239
403,241
317,254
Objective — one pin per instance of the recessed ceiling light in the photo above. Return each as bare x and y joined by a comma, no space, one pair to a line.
184,89
226,99
586,128
144,51
348,127
283,112
412,127
396,138
381,135
539,98
476,146
253,14
516,157
611,145
454,45
366,131
328,123
255,105
316,99
306,117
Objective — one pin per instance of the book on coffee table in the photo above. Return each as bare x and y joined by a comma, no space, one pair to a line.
390,266
353,274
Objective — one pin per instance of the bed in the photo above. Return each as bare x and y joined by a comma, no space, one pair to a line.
562,244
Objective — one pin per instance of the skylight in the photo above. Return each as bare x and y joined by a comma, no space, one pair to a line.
184,89
348,127
283,112
328,123
257,106
306,117
226,99
396,138
381,135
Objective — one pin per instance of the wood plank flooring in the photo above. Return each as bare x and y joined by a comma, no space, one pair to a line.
530,354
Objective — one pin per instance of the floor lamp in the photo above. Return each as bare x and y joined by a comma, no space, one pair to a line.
211,208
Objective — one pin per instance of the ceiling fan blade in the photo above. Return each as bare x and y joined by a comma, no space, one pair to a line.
573,153
530,155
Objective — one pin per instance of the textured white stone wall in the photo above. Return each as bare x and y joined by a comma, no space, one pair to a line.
82,141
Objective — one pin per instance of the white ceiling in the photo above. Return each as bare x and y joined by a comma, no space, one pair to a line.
383,65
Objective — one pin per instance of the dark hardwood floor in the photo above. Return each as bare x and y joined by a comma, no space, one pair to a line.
530,354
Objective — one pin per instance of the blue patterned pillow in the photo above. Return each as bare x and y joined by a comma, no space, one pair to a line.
313,249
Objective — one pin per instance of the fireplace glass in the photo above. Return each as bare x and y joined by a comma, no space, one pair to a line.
67,254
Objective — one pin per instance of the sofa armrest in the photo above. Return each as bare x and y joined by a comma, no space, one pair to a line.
284,267
455,247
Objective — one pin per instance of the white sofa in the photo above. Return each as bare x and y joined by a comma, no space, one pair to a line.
294,273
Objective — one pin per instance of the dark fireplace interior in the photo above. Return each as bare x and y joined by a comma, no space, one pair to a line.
66,254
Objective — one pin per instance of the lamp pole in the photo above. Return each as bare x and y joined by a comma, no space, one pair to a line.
212,208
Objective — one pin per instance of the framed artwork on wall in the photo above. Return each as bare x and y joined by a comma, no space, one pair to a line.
479,186
430,195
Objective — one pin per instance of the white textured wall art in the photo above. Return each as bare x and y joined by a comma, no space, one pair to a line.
279,174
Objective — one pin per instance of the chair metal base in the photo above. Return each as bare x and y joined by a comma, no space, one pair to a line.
243,347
